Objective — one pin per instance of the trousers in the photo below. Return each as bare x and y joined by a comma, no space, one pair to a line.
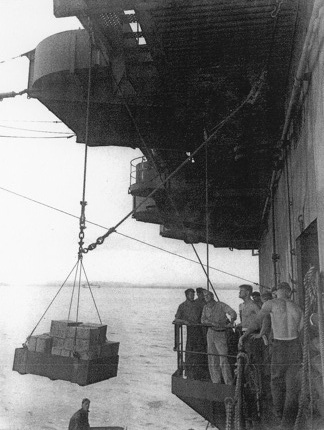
218,364
285,365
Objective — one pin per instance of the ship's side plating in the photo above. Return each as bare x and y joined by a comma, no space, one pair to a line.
292,240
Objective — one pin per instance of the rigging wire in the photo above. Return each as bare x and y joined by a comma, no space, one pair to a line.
126,236
207,276
275,256
207,208
37,131
38,137
290,223
31,120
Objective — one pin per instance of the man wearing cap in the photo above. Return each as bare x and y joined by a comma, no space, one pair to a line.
287,323
256,297
79,420
188,314
215,317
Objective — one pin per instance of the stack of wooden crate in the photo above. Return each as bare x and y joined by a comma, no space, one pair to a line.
83,340
73,351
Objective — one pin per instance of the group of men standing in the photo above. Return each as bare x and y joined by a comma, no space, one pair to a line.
272,317
199,315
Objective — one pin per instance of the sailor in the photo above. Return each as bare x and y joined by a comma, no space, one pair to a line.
248,312
79,420
215,317
188,314
200,300
287,323
248,309
256,297
203,358
265,332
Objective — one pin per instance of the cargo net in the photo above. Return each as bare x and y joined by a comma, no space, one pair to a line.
73,351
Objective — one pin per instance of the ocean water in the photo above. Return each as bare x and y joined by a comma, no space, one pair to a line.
138,398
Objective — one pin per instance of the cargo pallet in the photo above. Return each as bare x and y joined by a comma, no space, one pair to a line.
81,372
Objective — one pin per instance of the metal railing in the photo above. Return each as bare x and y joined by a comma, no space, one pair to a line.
180,346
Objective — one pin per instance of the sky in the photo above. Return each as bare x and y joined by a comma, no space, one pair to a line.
39,244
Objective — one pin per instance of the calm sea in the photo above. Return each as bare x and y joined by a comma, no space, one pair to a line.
138,398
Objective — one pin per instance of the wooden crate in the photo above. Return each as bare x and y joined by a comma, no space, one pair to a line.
81,372
108,349
44,343
59,328
31,343
94,333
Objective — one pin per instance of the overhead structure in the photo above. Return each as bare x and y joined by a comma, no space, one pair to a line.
164,74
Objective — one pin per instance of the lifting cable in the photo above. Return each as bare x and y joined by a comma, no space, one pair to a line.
78,267
206,208
83,203
275,256
290,224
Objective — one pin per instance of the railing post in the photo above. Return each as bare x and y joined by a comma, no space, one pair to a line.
178,346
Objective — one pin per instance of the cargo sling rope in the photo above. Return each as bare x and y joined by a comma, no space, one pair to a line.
78,267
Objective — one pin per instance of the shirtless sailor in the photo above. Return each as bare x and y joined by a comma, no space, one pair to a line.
287,323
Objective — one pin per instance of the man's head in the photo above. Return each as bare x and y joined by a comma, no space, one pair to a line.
190,294
208,295
256,296
245,291
85,404
200,292
283,290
